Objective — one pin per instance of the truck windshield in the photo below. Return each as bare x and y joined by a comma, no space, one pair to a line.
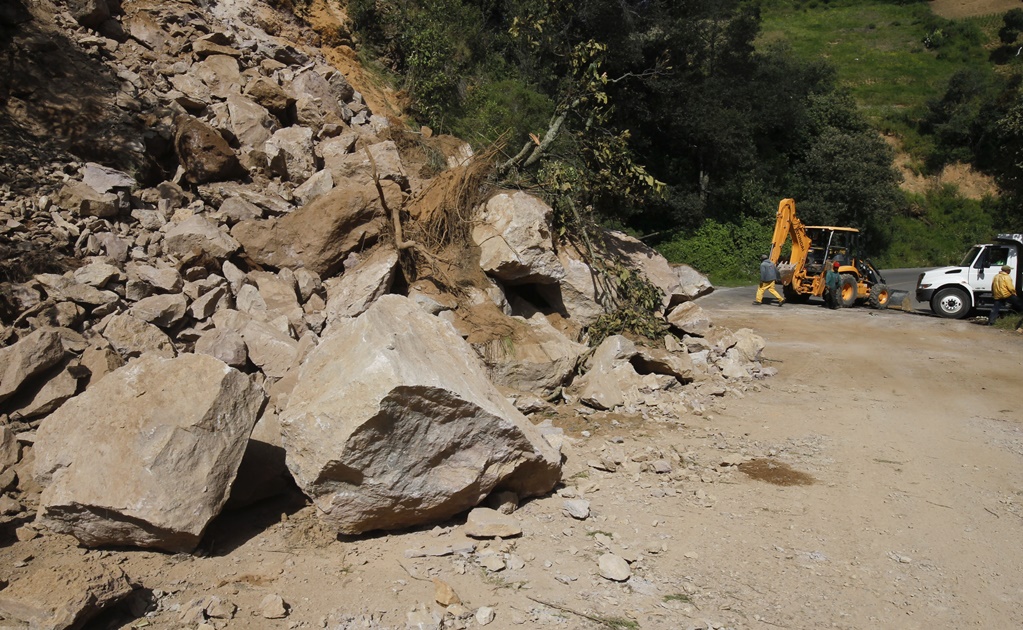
970,256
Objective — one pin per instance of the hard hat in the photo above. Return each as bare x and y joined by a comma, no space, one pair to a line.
1006,268
763,256
836,265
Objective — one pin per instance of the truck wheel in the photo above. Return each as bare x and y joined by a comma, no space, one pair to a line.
847,290
951,302
879,296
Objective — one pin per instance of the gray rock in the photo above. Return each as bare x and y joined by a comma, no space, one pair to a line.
405,382
198,234
131,337
290,154
196,414
81,200
515,242
354,292
165,311
613,567
103,179
226,345
689,318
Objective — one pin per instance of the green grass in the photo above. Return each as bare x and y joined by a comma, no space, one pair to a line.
878,49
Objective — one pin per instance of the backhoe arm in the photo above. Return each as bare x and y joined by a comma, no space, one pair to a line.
787,226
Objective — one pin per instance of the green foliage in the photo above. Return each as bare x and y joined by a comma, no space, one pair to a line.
509,107
728,253
637,309
940,228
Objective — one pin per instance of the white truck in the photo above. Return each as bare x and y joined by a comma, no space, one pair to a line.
954,292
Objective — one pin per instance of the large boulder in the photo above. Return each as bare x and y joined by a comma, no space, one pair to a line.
203,152
679,283
392,424
535,358
515,241
146,457
319,235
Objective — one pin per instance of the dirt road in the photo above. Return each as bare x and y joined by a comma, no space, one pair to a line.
912,428
900,437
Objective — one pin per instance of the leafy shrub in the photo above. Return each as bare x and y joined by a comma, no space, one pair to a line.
729,253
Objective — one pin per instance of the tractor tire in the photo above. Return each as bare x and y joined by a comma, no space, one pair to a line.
951,303
847,290
879,296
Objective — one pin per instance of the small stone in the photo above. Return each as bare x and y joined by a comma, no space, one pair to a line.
443,594
217,608
614,568
487,523
485,615
273,607
493,562
577,508
26,533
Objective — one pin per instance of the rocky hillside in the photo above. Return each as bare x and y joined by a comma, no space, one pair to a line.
226,278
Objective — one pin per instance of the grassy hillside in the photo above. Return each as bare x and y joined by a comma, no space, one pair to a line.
892,57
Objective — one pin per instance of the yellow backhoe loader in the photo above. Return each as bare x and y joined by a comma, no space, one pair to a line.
814,248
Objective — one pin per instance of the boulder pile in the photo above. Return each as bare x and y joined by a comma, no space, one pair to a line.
233,314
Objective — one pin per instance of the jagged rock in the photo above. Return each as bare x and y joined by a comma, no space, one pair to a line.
251,123
103,179
214,44
198,234
358,166
49,394
270,349
9,452
321,234
166,280
611,380
316,103
290,154
221,74
196,414
270,95
226,345
66,594
749,344
658,361
21,362
81,200
204,306
580,292
191,93
203,152
272,606
679,283
353,293
689,318
100,360
236,209
165,310
514,240
97,274
443,437
131,337
536,358
279,296
319,184
89,13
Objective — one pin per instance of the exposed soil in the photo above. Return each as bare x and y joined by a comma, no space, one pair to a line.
907,426
954,9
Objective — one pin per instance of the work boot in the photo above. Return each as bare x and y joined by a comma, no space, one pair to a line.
756,304
781,304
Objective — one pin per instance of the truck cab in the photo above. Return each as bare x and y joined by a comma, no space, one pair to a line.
954,292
